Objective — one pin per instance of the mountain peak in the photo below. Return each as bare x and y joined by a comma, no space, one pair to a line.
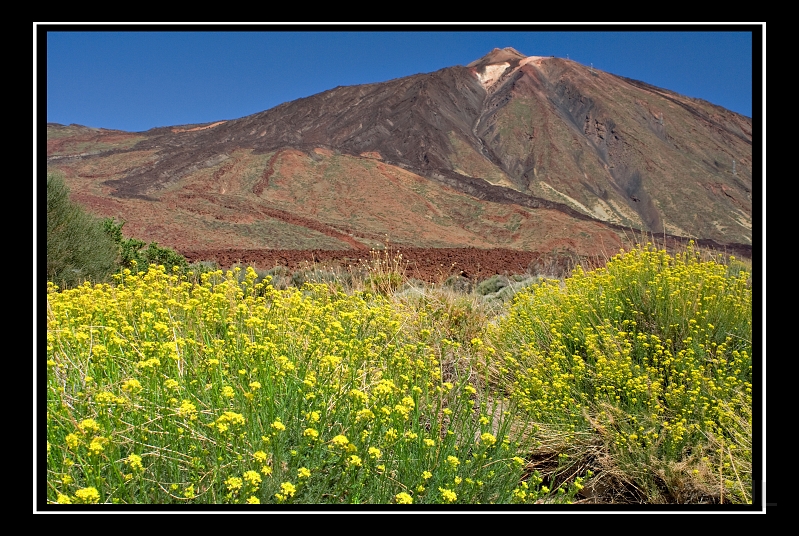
491,67
498,55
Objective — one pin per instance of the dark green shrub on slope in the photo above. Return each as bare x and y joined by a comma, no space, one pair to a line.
134,255
78,249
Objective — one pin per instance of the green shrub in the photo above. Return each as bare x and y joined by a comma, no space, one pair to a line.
135,256
458,283
78,249
492,284
504,295
155,254
280,277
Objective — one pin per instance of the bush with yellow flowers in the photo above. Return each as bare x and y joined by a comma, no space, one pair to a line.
644,364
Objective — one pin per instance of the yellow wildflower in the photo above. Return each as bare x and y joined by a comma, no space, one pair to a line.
403,498
106,397
278,426
234,484
340,441
96,445
227,419
131,386
488,439
134,462
188,410
360,396
72,441
448,495
87,495
288,489
89,425
364,415
252,478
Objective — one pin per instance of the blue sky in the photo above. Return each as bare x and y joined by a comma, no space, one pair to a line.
156,76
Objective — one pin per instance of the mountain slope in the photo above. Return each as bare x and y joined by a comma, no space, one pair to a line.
528,153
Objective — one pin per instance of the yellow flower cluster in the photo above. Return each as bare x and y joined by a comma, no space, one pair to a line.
339,441
252,478
448,495
234,484
403,498
88,495
156,360
287,490
488,439
228,419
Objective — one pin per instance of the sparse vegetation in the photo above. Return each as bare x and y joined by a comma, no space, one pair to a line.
627,383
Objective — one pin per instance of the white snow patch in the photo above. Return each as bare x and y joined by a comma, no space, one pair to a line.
491,73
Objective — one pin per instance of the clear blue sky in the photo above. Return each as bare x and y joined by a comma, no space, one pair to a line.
137,80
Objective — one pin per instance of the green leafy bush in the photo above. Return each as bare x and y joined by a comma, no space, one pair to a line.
78,249
491,285
134,255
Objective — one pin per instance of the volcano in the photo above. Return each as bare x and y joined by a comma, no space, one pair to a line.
523,153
